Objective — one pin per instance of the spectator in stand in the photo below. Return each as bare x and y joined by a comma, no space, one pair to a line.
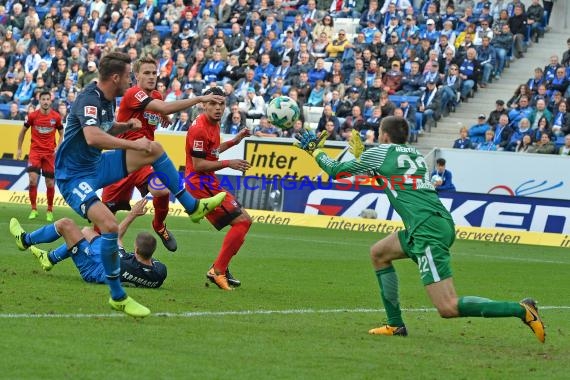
469,72
518,26
354,121
540,111
503,43
503,133
558,83
332,132
265,129
526,145
429,106
477,131
561,123
545,145
497,112
487,59
25,90
328,116
535,16
463,142
488,144
520,111
520,132
537,80
393,78
522,90
566,55
565,150
8,89
550,69
449,90
254,105
412,82
15,113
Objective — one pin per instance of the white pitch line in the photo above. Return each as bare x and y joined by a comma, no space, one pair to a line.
195,314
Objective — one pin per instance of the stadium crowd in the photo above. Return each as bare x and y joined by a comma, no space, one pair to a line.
356,60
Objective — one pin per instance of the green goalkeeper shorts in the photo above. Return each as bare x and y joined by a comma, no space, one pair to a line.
429,246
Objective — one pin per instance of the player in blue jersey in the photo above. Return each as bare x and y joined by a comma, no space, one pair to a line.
138,268
81,169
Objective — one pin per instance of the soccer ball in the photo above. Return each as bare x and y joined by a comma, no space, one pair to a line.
283,112
436,179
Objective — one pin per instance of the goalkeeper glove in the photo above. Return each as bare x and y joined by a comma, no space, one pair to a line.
309,142
355,145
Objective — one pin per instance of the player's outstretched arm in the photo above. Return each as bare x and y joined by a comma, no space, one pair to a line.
122,127
137,210
167,108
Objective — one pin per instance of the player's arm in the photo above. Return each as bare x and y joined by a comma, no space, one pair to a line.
236,140
137,210
21,140
203,165
97,138
122,127
167,108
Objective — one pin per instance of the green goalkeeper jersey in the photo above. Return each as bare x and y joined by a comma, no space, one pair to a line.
401,172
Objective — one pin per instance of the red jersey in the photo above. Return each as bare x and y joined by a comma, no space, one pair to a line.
133,106
202,141
43,130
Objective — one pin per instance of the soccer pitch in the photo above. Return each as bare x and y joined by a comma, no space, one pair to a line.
308,298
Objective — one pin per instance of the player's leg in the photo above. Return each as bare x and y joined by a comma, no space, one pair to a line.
169,176
383,253
233,241
48,169
146,181
67,229
434,266
33,175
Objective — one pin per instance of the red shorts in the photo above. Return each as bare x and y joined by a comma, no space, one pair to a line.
41,163
225,213
118,195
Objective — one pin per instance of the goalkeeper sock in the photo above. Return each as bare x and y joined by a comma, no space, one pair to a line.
59,254
46,234
232,243
483,307
112,265
388,282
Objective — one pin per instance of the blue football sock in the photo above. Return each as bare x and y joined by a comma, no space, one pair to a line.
169,175
112,265
46,234
59,254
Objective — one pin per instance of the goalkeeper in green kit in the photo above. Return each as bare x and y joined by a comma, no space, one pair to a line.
429,232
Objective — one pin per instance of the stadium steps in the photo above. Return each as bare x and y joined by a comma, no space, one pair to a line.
519,72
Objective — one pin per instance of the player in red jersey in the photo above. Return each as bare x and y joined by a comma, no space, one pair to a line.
41,160
144,103
202,151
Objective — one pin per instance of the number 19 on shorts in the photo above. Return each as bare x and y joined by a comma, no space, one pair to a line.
82,190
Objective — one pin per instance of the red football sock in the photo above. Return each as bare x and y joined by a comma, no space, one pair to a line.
232,243
161,205
50,193
33,192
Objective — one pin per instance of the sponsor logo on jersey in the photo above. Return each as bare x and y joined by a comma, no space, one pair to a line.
44,130
198,146
141,95
91,122
153,118
52,122
90,111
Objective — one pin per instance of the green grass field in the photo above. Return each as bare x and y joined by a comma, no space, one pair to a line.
308,298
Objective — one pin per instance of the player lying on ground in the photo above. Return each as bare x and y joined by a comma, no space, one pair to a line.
145,104
429,229
43,123
202,161
81,168
82,246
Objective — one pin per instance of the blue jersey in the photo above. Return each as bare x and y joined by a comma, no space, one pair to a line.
75,158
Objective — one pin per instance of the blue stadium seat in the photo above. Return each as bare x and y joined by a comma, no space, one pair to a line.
163,30
397,99
5,109
288,21
559,141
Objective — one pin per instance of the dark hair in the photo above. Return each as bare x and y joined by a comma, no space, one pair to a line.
215,91
396,128
113,63
145,244
440,161
45,92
